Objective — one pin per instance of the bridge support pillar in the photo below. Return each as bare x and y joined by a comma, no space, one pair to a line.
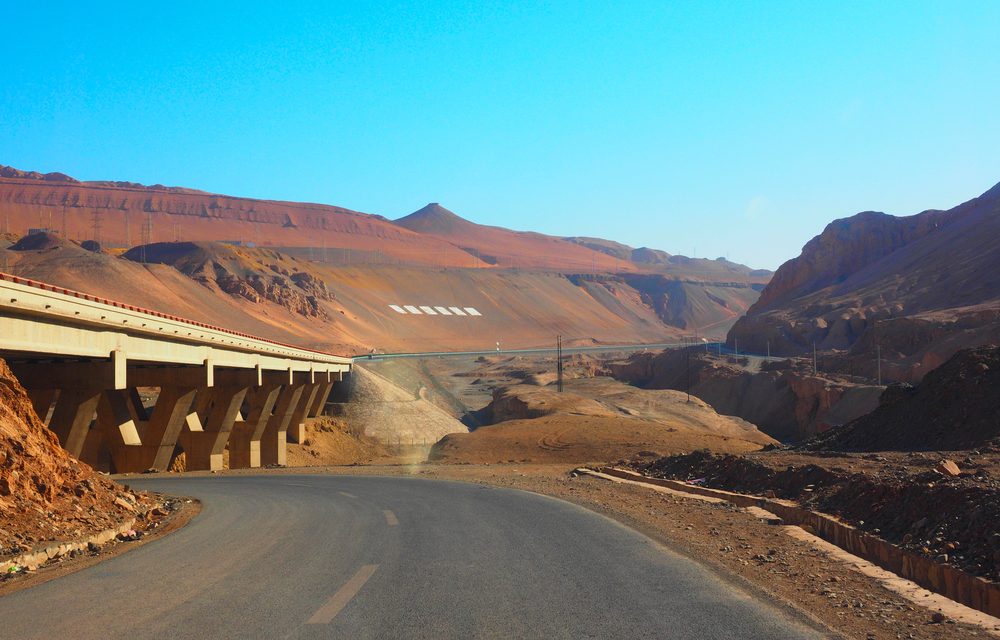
72,416
164,427
296,427
218,408
119,431
244,439
320,401
274,439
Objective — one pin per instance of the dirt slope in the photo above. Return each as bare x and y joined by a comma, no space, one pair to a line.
336,441
899,498
349,309
594,420
45,494
955,407
922,286
382,410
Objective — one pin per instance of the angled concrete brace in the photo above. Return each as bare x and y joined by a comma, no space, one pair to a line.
169,414
72,417
319,402
219,406
41,401
274,440
244,439
296,427
119,431
136,408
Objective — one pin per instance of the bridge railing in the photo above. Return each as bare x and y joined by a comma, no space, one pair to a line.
43,286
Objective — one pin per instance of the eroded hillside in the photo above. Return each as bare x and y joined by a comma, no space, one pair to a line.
917,288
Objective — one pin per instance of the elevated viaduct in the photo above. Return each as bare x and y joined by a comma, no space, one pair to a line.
126,389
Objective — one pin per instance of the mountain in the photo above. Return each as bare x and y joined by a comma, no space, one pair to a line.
661,261
921,287
126,214
505,248
121,215
533,285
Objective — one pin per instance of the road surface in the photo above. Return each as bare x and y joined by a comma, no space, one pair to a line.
659,346
365,557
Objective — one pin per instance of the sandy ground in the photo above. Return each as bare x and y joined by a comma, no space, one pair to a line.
518,416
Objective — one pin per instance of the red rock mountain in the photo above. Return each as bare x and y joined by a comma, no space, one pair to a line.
505,248
127,214
330,277
930,283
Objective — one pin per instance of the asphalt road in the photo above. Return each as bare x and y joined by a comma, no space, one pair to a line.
658,346
359,557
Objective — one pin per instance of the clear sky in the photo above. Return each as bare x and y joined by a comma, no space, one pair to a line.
721,128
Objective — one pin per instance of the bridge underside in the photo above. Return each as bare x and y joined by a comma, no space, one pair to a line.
126,417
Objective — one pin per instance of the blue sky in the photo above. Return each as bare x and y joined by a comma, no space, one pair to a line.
728,128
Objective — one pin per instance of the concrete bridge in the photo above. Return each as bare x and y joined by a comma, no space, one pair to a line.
125,389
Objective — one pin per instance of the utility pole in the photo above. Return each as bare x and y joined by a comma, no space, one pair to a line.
687,351
147,235
97,225
878,355
559,363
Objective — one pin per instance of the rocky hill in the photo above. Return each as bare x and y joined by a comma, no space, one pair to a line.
955,407
46,494
784,399
921,287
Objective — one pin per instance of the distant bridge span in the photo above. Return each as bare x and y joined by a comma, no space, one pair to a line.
84,360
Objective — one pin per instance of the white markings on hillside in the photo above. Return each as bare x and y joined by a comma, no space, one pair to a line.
423,310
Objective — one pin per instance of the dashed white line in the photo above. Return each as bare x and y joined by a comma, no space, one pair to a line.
443,311
390,518
472,311
428,311
347,495
336,604
457,311
397,308
412,309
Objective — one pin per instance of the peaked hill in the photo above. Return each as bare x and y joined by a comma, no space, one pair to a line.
501,247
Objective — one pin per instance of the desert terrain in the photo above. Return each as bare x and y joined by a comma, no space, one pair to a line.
761,415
